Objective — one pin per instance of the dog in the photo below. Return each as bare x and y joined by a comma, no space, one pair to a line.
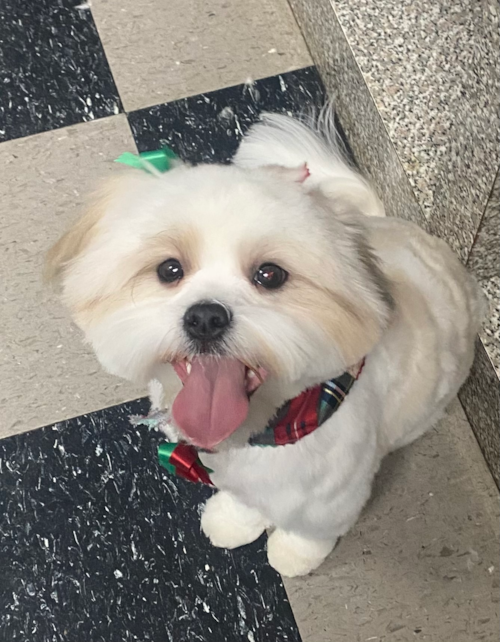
252,290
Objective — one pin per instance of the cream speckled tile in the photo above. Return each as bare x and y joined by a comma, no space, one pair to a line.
161,51
46,372
422,562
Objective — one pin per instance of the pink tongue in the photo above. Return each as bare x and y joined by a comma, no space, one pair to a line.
213,402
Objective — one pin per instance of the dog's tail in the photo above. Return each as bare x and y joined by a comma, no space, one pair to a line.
287,142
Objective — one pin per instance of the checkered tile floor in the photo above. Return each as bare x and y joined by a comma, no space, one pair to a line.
97,543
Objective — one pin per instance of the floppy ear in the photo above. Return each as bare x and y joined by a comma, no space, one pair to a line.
78,237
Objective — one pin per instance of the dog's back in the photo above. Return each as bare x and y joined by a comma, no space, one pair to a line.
439,311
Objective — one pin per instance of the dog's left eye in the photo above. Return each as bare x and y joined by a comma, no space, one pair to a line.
270,276
170,271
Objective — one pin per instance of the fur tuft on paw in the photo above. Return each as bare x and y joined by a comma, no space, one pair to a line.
229,523
292,555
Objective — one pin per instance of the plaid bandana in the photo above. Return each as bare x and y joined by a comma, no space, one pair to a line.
293,421
303,414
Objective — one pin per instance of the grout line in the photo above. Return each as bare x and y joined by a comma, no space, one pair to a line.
490,194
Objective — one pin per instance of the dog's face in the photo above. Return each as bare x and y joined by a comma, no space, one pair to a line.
233,277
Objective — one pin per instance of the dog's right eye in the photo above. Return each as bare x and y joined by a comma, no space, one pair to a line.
170,271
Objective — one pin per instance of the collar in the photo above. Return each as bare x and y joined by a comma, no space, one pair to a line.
297,418
306,412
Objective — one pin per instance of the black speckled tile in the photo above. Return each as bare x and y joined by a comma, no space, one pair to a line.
208,127
100,544
53,71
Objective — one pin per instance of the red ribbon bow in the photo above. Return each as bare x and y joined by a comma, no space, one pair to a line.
183,460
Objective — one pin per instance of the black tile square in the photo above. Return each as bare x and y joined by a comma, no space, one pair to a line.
53,71
100,544
208,127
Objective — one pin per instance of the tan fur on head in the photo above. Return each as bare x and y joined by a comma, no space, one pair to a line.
142,284
80,234
356,329
319,290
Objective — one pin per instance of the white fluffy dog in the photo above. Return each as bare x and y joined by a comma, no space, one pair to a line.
240,287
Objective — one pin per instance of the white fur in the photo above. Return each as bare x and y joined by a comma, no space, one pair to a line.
311,492
288,143
229,523
293,555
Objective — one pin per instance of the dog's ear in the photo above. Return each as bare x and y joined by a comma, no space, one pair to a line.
78,237
291,174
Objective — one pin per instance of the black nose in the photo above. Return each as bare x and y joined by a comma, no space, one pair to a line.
206,321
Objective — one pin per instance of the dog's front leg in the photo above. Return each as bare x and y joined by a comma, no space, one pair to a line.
228,523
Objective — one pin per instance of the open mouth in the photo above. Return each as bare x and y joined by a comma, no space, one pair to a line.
214,400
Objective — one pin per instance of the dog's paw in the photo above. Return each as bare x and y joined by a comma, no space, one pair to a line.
229,524
292,555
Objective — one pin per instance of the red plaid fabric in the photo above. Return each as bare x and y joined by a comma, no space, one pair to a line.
300,419
303,414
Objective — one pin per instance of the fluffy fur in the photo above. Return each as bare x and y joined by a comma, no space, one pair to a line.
359,285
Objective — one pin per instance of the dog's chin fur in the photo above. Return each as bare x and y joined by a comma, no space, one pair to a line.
359,285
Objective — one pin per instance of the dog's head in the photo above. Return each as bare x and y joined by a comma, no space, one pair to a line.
232,277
